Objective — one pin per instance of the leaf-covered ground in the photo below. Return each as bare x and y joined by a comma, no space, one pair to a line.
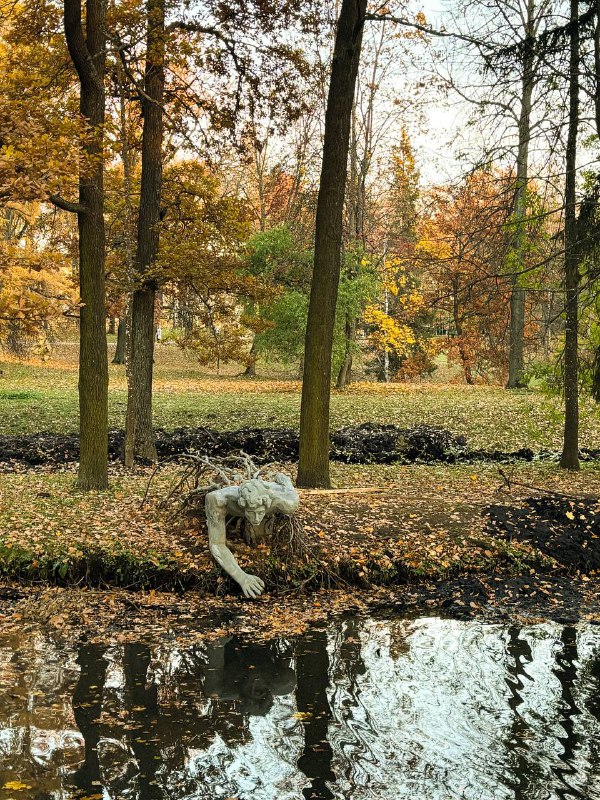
408,536
424,541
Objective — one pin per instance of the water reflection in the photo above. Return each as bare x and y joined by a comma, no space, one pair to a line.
366,709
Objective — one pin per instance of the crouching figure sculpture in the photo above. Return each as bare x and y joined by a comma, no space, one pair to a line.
254,500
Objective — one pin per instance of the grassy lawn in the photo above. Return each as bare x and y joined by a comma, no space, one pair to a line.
43,397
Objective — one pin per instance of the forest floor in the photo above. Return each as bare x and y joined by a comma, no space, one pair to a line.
492,539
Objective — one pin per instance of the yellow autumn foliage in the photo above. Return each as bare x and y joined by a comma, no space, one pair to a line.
387,333
434,248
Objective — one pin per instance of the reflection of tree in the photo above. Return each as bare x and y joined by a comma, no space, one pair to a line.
592,702
590,731
350,663
169,723
141,700
312,666
87,707
350,748
527,772
153,737
566,672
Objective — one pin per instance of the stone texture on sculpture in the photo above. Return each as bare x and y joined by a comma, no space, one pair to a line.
253,500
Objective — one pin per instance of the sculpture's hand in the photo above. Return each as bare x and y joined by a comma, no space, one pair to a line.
282,479
252,586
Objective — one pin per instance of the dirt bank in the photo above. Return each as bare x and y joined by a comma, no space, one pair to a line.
364,444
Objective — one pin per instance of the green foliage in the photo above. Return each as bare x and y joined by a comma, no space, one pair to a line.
286,320
285,317
543,374
359,281
359,286
277,256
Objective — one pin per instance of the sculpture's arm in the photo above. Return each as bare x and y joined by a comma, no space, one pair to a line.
216,512
284,494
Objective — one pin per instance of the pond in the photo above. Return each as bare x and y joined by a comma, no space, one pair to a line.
364,709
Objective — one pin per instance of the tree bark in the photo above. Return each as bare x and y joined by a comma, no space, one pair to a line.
570,454
88,53
597,68
458,327
124,327
595,390
519,216
345,372
250,371
313,467
120,349
139,434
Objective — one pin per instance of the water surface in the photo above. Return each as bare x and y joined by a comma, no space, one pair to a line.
365,709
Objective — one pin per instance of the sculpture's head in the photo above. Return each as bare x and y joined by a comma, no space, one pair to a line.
254,498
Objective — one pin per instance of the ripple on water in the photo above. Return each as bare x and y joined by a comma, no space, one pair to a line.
367,709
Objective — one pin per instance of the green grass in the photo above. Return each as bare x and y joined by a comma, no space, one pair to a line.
43,397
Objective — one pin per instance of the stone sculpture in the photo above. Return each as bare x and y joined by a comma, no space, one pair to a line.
254,500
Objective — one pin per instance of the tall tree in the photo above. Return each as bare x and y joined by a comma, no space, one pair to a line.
570,453
463,248
201,55
313,468
517,298
356,200
88,53
505,38
139,434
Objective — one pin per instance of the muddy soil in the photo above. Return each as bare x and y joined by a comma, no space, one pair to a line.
364,444
563,529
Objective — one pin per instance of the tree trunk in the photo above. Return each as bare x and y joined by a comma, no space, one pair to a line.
345,373
313,467
570,454
112,325
519,216
597,68
120,349
464,356
124,327
595,390
250,371
88,53
139,434
466,364
516,335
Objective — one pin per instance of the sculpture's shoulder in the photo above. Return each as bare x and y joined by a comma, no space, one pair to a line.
220,498
281,479
284,493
